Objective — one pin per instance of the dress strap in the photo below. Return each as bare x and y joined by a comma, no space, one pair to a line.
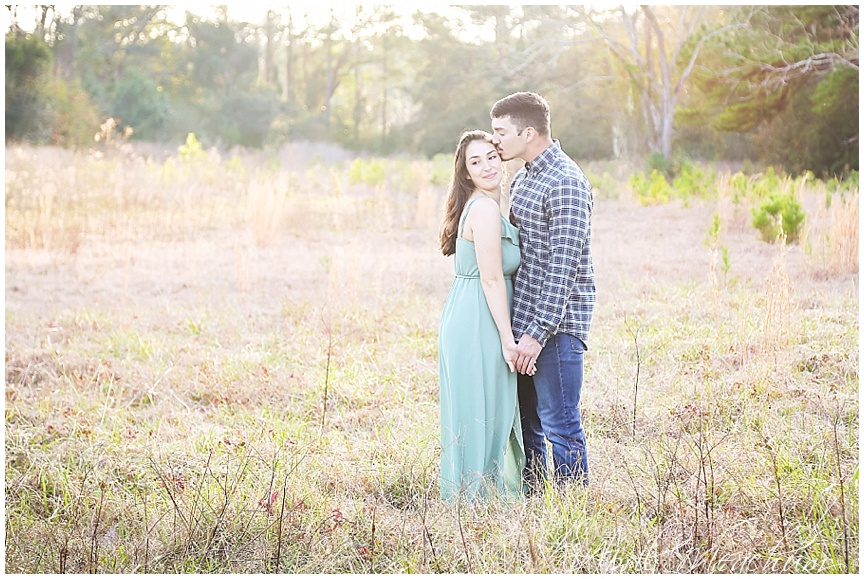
464,215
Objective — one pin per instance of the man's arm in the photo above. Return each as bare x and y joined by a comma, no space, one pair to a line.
569,206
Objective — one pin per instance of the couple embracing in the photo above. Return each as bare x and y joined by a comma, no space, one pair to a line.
510,354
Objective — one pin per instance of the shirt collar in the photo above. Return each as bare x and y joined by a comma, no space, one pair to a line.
544,158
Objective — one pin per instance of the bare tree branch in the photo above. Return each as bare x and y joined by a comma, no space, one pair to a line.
698,47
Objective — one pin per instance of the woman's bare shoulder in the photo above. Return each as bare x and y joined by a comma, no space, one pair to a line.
486,209
485,216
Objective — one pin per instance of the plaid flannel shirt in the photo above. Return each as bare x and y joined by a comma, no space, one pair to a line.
551,204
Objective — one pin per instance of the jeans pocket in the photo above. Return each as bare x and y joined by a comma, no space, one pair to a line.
577,345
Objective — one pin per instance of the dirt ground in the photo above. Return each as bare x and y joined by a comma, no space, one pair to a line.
633,246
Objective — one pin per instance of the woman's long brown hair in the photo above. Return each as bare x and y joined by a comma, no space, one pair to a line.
459,191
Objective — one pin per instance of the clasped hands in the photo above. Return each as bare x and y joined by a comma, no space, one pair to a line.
522,356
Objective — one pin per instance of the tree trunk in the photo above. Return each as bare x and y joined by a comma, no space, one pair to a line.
329,76
651,66
384,96
664,91
308,99
358,103
269,32
289,67
65,50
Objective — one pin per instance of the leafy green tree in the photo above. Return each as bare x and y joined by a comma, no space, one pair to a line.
658,48
540,48
589,116
246,117
109,40
780,82
212,86
456,87
814,131
28,66
790,77
117,54
221,55
72,113
138,102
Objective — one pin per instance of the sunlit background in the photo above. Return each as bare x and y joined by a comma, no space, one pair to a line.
767,84
223,287
313,13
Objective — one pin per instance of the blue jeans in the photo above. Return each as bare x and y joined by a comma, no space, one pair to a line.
549,402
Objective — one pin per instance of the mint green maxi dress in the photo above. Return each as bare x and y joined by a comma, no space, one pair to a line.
481,434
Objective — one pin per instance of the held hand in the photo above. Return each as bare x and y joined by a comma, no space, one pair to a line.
527,350
509,351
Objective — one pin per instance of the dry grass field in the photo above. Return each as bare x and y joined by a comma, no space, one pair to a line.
230,365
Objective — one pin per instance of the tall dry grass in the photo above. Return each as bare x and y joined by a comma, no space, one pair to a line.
843,235
778,329
235,370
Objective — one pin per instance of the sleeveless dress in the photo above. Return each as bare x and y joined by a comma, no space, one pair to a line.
481,433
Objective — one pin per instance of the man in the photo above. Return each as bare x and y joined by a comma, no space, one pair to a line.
554,294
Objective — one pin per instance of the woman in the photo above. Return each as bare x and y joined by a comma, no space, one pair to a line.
481,435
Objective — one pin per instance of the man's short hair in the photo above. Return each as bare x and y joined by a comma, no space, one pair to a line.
525,109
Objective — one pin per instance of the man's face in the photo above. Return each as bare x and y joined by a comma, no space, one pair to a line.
506,137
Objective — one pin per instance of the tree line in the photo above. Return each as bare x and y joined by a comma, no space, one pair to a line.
773,84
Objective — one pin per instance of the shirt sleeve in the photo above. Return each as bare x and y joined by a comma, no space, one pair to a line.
569,208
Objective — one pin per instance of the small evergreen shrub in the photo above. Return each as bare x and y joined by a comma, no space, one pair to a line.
767,184
604,186
192,150
780,211
849,183
740,186
692,181
442,166
651,190
657,161
369,172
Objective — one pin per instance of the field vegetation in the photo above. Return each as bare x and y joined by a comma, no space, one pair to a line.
228,363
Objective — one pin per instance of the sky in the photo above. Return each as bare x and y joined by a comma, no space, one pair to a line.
317,13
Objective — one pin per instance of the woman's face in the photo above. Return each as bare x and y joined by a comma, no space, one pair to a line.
483,164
